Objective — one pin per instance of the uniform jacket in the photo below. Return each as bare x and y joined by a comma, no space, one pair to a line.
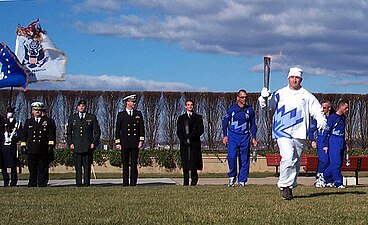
9,149
83,133
239,121
129,129
37,136
191,154
335,127
292,110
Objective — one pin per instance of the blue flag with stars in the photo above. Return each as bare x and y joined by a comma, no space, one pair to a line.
12,72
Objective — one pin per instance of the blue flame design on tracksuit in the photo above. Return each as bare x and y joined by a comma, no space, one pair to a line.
240,126
323,161
334,139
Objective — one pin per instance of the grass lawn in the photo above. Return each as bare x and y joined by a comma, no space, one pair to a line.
58,176
254,204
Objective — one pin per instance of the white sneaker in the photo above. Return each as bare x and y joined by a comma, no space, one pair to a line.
331,185
341,187
231,182
320,184
241,184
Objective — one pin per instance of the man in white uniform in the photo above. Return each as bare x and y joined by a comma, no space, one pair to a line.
292,107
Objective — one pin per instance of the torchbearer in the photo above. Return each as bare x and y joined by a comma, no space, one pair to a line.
292,106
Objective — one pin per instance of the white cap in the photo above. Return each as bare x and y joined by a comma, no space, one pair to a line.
296,72
37,105
130,97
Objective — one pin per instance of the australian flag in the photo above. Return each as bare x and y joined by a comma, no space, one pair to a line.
12,72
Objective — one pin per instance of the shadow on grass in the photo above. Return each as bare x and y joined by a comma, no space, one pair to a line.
331,193
107,184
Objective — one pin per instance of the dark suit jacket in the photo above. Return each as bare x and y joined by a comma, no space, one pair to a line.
129,129
190,160
82,133
37,136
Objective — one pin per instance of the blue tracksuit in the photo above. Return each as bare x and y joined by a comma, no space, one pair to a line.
323,161
334,139
239,125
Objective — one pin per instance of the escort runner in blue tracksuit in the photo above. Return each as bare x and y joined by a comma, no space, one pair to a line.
334,144
239,128
317,143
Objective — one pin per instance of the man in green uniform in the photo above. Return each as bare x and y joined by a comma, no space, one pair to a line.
83,134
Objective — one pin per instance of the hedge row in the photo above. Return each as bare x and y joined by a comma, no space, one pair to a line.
169,159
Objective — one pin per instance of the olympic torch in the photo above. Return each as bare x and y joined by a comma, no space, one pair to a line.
266,71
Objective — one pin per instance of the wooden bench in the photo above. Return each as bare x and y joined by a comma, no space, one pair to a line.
357,164
274,160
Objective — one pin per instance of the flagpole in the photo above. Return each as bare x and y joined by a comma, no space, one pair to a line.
11,96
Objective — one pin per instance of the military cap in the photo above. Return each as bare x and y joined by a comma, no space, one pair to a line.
37,105
82,102
132,98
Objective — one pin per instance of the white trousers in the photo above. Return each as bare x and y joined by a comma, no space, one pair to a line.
291,152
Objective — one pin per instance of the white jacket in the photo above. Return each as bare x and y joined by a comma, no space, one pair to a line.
292,111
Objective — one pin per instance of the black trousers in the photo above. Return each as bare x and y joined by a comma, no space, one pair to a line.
194,177
82,163
38,167
130,156
13,176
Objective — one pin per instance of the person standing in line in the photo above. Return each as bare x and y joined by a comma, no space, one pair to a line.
334,145
37,139
12,136
83,135
239,130
189,131
292,106
316,143
129,134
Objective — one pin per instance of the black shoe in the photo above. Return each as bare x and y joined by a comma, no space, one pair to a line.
286,193
6,183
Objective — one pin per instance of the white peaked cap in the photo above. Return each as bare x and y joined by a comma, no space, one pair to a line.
130,97
296,72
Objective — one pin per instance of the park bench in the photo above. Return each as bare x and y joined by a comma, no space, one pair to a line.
357,164
274,160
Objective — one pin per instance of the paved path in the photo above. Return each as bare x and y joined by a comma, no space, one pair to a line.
308,181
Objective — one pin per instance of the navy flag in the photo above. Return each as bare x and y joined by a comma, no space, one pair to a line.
12,72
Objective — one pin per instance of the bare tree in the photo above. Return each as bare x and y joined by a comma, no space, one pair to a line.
151,109
173,106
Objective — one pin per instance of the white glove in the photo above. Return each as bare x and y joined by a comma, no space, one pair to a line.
321,124
262,102
265,93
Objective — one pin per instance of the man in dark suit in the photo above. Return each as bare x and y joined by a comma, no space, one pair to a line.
37,139
189,130
12,136
129,138
83,135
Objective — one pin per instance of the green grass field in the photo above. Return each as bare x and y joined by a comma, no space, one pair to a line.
254,204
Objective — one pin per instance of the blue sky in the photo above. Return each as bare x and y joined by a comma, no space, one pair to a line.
207,45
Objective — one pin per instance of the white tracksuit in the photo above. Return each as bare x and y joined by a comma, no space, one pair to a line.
292,109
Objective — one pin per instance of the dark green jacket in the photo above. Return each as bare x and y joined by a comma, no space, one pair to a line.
82,133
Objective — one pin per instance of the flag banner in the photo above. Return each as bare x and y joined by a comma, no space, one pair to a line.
39,55
12,72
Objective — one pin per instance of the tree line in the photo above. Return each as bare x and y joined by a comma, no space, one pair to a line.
162,109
